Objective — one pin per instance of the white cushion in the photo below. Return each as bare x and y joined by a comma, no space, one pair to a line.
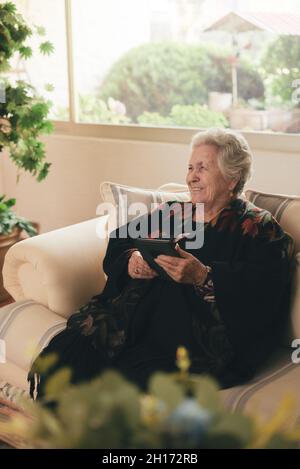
173,187
114,193
121,198
61,269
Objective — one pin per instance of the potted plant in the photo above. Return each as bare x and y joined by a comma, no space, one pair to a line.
23,119
11,227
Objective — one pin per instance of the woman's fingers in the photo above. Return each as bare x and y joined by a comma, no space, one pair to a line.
142,275
139,268
142,264
169,260
168,264
138,260
145,270
174,271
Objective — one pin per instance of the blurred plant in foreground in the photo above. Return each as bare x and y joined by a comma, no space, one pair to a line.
179,410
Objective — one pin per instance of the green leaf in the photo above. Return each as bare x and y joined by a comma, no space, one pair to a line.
49,87
25,52
165,389
10,202
44,172
221,441
45,363
58,382
236,425
46,48
281,442
51,424
40,30
10,7
206,392
47,127
27,226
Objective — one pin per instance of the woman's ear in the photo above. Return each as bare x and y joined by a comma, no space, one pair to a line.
233,183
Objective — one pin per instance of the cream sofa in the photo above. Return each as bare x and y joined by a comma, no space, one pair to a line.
50,276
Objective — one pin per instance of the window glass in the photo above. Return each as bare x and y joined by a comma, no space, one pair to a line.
44,70
151,62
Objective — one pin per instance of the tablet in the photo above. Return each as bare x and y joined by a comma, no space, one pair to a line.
153,247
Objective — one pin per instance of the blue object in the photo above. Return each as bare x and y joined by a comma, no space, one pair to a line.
189,421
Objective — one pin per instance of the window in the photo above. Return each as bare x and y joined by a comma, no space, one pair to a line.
152,63
43,70
157,63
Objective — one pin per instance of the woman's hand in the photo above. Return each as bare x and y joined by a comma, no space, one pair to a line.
138,268
184,269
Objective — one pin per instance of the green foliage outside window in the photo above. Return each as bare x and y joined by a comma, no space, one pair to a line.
192,115
155,77
281,66
95,110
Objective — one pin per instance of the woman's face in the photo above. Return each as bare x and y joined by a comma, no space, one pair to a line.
204,178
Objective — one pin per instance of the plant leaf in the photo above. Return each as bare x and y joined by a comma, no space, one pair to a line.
165,389
46,48
25,52
58,382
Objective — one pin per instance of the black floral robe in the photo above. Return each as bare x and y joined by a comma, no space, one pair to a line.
229,326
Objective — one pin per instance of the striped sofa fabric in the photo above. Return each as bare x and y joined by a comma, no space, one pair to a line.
24,337
263,395
285,208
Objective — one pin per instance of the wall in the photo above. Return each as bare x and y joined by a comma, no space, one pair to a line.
70,193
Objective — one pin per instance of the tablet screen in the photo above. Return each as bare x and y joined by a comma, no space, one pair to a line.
150,248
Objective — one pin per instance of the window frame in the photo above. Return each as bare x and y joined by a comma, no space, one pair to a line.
264,141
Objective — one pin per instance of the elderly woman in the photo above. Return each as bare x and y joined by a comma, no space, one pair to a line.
225,302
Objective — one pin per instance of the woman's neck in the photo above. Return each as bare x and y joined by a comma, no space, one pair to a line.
212,211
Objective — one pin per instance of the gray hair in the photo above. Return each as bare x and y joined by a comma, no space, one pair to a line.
234,154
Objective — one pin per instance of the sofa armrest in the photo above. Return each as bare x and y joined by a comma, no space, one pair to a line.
60,269
294,332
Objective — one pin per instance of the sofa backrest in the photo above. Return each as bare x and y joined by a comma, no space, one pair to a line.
286,210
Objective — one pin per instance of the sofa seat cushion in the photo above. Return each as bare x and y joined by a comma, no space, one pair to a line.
13,381
12,392
26,327
263,394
